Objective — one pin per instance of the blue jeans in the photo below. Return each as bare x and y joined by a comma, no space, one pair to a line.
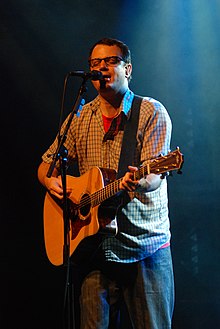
139,294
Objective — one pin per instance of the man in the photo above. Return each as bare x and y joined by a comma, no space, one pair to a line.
131,271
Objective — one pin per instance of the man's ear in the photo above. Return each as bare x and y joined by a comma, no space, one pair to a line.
128,70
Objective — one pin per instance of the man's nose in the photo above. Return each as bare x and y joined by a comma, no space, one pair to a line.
103,64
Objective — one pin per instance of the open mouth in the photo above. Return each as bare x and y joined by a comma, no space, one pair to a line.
106,77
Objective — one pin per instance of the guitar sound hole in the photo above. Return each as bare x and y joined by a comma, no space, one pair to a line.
85,205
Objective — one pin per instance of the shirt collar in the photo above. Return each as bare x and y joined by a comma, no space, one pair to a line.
125,106
126,103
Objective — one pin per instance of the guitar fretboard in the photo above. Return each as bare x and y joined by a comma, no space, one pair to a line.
160,165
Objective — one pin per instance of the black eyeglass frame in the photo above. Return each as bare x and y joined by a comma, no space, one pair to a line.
106,60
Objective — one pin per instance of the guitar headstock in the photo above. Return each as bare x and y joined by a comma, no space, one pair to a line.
163,164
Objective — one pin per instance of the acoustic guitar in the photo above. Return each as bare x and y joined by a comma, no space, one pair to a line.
90,192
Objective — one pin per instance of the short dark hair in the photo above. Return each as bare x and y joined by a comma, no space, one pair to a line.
126,54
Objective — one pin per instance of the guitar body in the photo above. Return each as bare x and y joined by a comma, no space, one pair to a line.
83,215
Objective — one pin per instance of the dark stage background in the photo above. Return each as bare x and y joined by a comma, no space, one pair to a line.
176,50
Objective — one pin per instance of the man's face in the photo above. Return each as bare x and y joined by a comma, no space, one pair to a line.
115,72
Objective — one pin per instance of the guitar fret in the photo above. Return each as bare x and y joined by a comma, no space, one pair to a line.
105,193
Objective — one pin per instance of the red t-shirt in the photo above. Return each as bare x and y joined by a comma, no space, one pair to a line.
107,123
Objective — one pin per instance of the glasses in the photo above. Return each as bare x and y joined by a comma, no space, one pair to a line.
109,61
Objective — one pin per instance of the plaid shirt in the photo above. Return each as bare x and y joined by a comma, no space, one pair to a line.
143,222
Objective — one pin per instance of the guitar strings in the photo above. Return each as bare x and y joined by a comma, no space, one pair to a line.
111,189
100,195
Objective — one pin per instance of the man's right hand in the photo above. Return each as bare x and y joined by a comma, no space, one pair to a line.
54,186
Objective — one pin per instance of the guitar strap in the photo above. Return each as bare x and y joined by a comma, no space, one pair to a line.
129,141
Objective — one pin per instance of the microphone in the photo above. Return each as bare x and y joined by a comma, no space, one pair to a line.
93,75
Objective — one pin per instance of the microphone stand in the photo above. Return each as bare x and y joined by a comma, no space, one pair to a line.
61,154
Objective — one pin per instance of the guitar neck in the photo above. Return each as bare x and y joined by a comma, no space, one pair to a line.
106,192
113,188
163,164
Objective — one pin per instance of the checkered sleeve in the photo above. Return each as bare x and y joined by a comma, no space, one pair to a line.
155,129
69,144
